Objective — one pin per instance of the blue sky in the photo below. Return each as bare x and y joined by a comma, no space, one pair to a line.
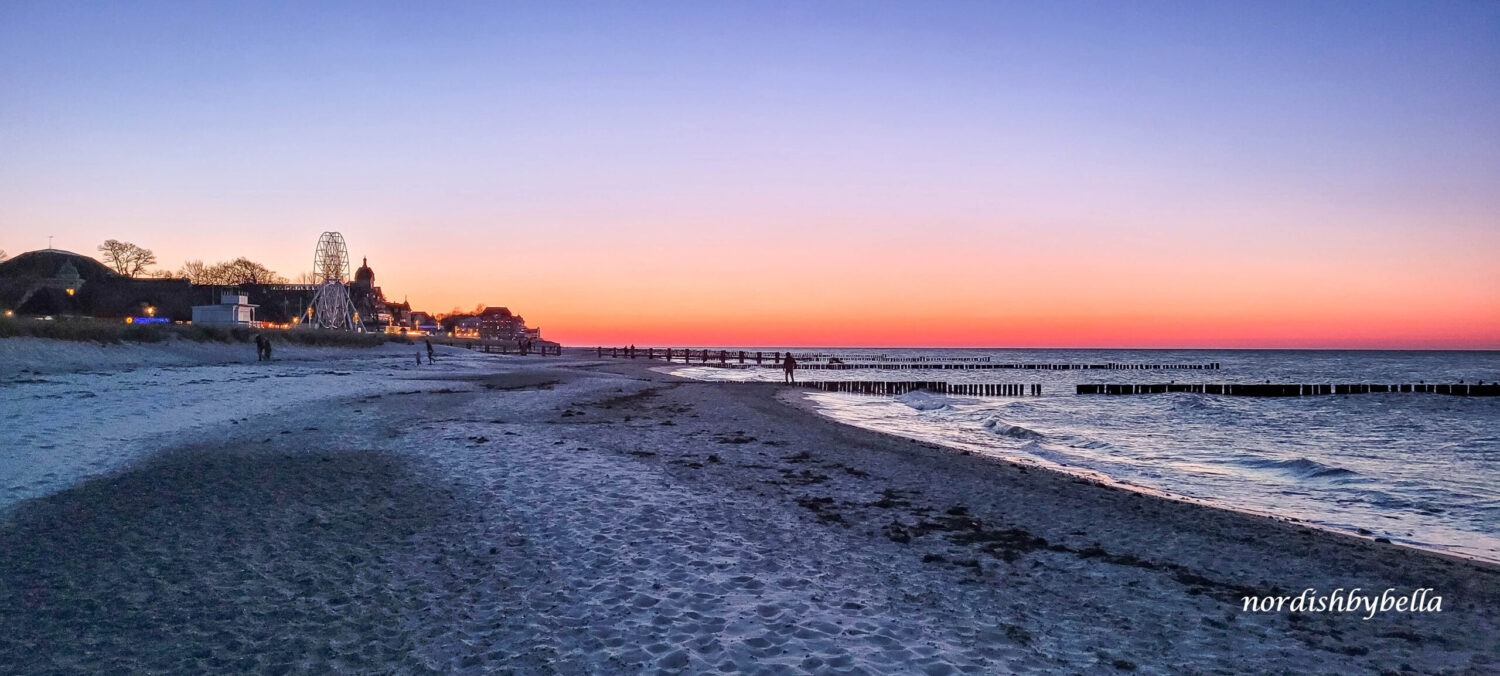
1332,135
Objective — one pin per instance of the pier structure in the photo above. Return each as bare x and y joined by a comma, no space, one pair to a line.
988,366
705,356
1290,390
828,362
935,387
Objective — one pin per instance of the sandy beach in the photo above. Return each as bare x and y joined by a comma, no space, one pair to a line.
569,515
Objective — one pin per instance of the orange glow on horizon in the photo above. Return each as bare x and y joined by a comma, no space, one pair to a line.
1142,333
750,297
1136,285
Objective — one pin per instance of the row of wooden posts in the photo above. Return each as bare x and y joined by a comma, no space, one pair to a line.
938,387
1292,390
1237,390
541,349
745,356
815,361
980,366
688,356
883,358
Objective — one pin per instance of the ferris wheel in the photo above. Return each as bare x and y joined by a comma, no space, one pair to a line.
331,260
331,306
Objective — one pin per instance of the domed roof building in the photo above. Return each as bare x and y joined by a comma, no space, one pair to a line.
374,312
364,275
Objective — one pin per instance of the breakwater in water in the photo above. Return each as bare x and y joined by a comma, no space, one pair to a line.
987,366
885,387
830,362
1289,390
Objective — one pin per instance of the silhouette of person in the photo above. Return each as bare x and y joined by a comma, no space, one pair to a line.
429,351
788,368
260,347
266,345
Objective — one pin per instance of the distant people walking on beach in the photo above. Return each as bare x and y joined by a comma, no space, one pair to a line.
788,368
429,352
262,348
419,359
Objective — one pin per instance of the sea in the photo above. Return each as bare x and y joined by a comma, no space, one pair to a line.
1415,468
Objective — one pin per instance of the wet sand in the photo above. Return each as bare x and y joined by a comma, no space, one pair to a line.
570,516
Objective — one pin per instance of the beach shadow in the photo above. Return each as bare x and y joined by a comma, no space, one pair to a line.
214,561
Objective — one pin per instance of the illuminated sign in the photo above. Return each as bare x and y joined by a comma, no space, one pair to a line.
146,320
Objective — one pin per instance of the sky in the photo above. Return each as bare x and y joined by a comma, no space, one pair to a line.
991,174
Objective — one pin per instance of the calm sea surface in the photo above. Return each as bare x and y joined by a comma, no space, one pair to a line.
1422,469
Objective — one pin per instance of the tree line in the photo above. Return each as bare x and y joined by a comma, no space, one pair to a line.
132,260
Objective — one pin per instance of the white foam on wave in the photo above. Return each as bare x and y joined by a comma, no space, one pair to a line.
1003,428
924,401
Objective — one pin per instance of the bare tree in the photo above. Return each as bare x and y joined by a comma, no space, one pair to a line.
201,273
245,271
308,278
229,273
126,258
3,255
479,308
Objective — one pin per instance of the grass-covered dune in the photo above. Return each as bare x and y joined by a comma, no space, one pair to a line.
108,332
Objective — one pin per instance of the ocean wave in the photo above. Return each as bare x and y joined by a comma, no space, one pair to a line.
1087,443
1003,428
924,401
1302,468
1196,402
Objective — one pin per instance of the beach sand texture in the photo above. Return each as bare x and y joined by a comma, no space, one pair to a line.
569,516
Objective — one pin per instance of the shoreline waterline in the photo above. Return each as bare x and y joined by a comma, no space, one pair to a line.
1417,469
808,401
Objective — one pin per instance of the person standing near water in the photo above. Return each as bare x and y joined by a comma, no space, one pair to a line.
788,368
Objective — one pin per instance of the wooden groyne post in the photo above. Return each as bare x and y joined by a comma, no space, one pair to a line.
1291,389
988,366
890,388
